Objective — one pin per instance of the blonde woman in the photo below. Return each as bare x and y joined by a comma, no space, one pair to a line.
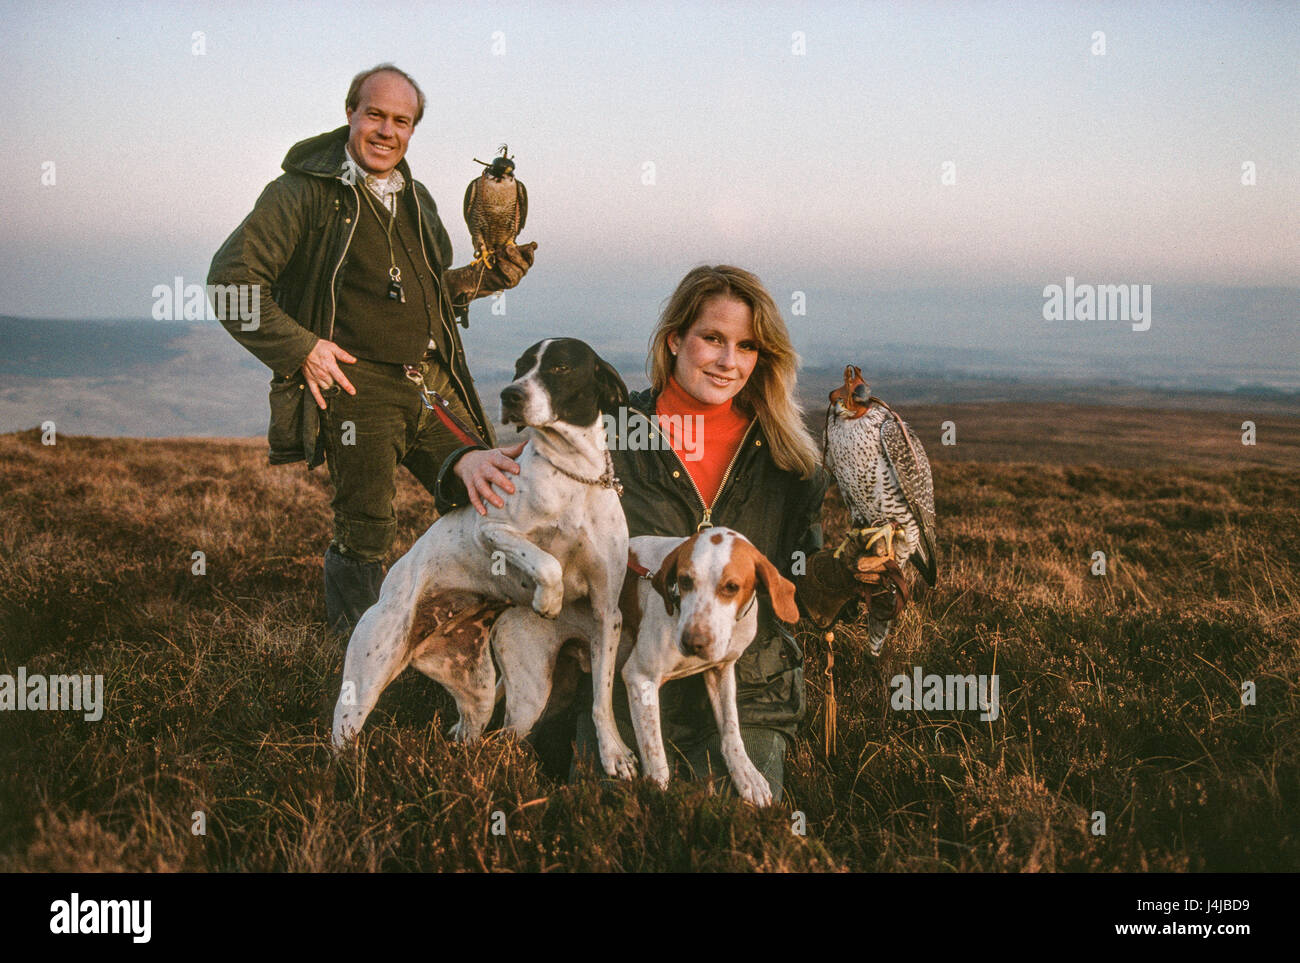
731,449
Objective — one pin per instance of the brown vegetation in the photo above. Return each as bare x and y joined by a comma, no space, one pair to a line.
1119,693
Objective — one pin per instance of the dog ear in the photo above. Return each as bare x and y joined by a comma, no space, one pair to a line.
665,580
611,392
779,588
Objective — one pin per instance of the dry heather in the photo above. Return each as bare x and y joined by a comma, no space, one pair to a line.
1119,694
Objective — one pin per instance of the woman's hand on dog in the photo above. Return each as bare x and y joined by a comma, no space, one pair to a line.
480,470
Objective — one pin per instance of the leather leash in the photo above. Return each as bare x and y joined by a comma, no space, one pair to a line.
439,406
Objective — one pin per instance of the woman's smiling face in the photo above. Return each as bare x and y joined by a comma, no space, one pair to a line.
718,353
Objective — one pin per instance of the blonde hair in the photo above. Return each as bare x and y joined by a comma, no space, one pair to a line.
769,394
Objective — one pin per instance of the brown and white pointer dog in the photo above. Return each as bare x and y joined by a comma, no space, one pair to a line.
697,614
559,543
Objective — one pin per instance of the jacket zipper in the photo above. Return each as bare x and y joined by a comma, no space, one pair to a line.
443,300
706,520
356,199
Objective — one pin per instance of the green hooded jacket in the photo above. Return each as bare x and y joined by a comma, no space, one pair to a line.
293,247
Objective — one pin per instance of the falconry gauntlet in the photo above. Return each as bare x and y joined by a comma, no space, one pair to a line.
863,566
464,284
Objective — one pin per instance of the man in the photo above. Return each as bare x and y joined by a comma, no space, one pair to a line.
349,262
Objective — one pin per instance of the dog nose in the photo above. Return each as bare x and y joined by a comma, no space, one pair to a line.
694,643
512,395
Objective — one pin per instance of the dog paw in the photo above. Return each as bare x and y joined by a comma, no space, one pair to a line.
752,787
547,601
462,731
621,762
343,738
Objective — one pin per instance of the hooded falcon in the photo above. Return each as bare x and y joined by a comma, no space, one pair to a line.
496,207
884,477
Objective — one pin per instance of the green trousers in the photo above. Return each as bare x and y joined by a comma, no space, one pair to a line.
368,435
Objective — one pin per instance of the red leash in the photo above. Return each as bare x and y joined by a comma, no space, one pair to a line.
440,407
636,567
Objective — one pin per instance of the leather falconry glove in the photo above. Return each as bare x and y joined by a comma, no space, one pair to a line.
861,568
510,264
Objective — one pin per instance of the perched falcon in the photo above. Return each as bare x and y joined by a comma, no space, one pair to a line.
883,475
496,207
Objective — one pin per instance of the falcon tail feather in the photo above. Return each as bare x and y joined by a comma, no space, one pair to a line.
877,632
925,564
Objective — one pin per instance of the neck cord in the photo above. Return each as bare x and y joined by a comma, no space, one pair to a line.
395,292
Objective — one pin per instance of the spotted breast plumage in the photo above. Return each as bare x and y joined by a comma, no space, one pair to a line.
883,475
496,207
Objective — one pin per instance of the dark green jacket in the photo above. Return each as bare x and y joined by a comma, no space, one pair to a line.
777,511
294,246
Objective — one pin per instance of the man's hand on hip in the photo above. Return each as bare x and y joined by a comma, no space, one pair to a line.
321,369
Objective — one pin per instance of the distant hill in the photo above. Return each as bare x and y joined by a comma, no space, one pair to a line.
138,378
77,349
154,379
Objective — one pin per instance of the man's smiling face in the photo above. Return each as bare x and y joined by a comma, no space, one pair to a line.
382,122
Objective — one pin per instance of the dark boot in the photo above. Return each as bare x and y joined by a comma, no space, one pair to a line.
351,587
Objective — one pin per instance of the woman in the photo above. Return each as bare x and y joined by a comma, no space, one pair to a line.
722,373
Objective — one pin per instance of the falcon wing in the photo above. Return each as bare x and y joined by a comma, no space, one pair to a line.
828,459
522,208
918,487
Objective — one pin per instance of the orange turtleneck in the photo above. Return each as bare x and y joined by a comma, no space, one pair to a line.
704,436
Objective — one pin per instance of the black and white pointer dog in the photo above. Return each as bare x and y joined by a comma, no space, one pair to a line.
560,540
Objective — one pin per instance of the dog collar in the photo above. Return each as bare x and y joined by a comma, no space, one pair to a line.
606,480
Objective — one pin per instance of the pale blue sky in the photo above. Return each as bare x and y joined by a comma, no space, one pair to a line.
821,172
